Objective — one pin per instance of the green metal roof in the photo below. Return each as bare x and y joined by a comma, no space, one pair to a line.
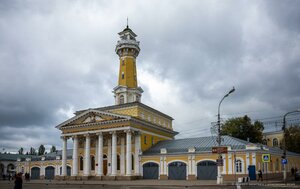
14,157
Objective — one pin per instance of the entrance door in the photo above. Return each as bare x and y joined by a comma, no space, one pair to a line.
35,173
150,171
207,170
177,171
252,172
49,172
104,164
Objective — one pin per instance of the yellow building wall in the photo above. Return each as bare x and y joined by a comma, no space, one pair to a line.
270,136
127,73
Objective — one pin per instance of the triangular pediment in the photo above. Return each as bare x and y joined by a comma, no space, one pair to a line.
92,116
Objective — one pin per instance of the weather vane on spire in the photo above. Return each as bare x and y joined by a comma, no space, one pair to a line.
127,21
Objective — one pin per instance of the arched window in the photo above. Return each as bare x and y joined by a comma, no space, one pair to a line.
275,142
264,141
92,163
81,163
238,166
121,99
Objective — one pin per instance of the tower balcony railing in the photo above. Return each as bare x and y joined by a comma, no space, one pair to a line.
128,41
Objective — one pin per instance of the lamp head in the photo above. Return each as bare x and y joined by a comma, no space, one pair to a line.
232,90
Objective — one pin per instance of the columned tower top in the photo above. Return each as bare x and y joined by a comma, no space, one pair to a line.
128,49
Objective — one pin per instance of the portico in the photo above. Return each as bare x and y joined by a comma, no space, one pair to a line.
130,149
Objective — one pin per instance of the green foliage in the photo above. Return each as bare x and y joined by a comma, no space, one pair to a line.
21,151
242,128
292,137
32,151
41,150
53,149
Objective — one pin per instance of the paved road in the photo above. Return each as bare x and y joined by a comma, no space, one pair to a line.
146,184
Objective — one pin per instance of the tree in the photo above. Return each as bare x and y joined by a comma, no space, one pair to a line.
242,128
32,151
41,150
21,151
292,137
53,149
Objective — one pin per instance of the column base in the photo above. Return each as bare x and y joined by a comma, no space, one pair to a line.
192,177
163,177
219,180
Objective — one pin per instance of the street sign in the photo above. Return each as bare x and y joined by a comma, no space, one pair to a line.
266,158
219,150
284,161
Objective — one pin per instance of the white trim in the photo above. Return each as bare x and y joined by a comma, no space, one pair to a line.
150,161
116,129
242,166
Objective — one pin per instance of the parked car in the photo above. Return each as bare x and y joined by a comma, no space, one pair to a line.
297,175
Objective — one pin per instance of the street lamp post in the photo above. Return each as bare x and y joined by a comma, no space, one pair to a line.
220,178
284,142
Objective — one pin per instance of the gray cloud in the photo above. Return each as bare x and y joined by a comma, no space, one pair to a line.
58,56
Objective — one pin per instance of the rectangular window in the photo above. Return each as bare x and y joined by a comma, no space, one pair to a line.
145,139
122,75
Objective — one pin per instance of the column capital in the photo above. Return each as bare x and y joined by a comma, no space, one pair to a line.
99,133
88,135
128,131
75,137
137,133
112,132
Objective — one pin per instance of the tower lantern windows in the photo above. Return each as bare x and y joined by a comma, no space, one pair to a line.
121,99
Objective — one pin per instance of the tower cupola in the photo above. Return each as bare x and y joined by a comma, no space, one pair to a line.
128,49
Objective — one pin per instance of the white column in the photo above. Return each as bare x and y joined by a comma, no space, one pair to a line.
165,165
253,159
161,165
122,157
100,154
247,162
75,156
87,156
193,165
108,156
42,171
224,157
96,154
64,157
230,163
128,153
137,150
114,154
189,165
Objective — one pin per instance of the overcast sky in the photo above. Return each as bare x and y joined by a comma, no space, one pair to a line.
57,57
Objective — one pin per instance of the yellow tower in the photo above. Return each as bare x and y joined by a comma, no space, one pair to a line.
128,49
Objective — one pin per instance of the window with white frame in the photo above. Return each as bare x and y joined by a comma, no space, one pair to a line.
238,166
